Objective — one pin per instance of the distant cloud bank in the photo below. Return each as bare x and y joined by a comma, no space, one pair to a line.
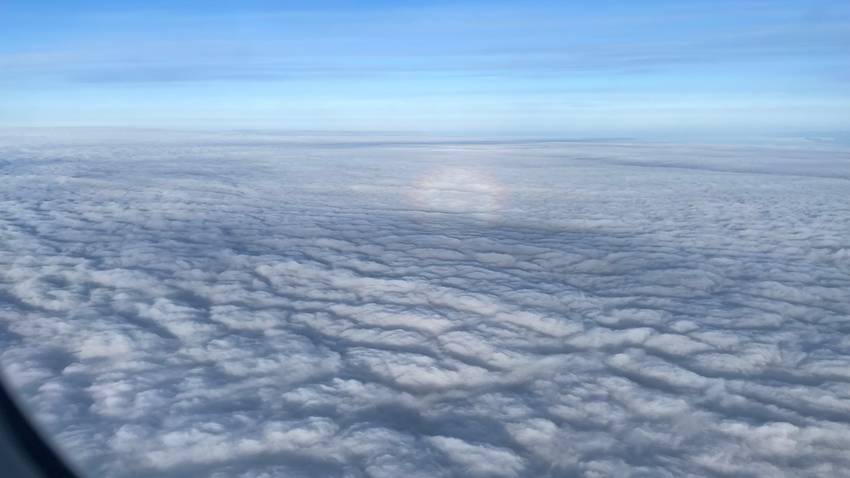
255,305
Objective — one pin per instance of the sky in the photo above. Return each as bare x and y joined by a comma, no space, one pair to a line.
654,68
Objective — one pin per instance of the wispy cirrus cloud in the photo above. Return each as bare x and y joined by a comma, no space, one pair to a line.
282,45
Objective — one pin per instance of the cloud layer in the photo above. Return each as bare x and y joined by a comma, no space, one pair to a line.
258,306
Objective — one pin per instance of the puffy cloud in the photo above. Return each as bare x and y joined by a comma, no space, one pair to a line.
253,305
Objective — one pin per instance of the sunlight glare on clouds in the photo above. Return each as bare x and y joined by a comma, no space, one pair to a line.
458,190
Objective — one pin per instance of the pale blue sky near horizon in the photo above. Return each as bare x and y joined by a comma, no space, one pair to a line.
657,68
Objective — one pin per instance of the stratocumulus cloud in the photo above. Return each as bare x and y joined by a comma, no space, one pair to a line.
256,306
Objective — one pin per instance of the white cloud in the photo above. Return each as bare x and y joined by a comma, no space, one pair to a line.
259,306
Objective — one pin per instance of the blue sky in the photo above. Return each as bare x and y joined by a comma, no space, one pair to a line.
605,68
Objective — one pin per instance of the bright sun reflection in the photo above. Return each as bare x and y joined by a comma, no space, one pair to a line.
458,190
